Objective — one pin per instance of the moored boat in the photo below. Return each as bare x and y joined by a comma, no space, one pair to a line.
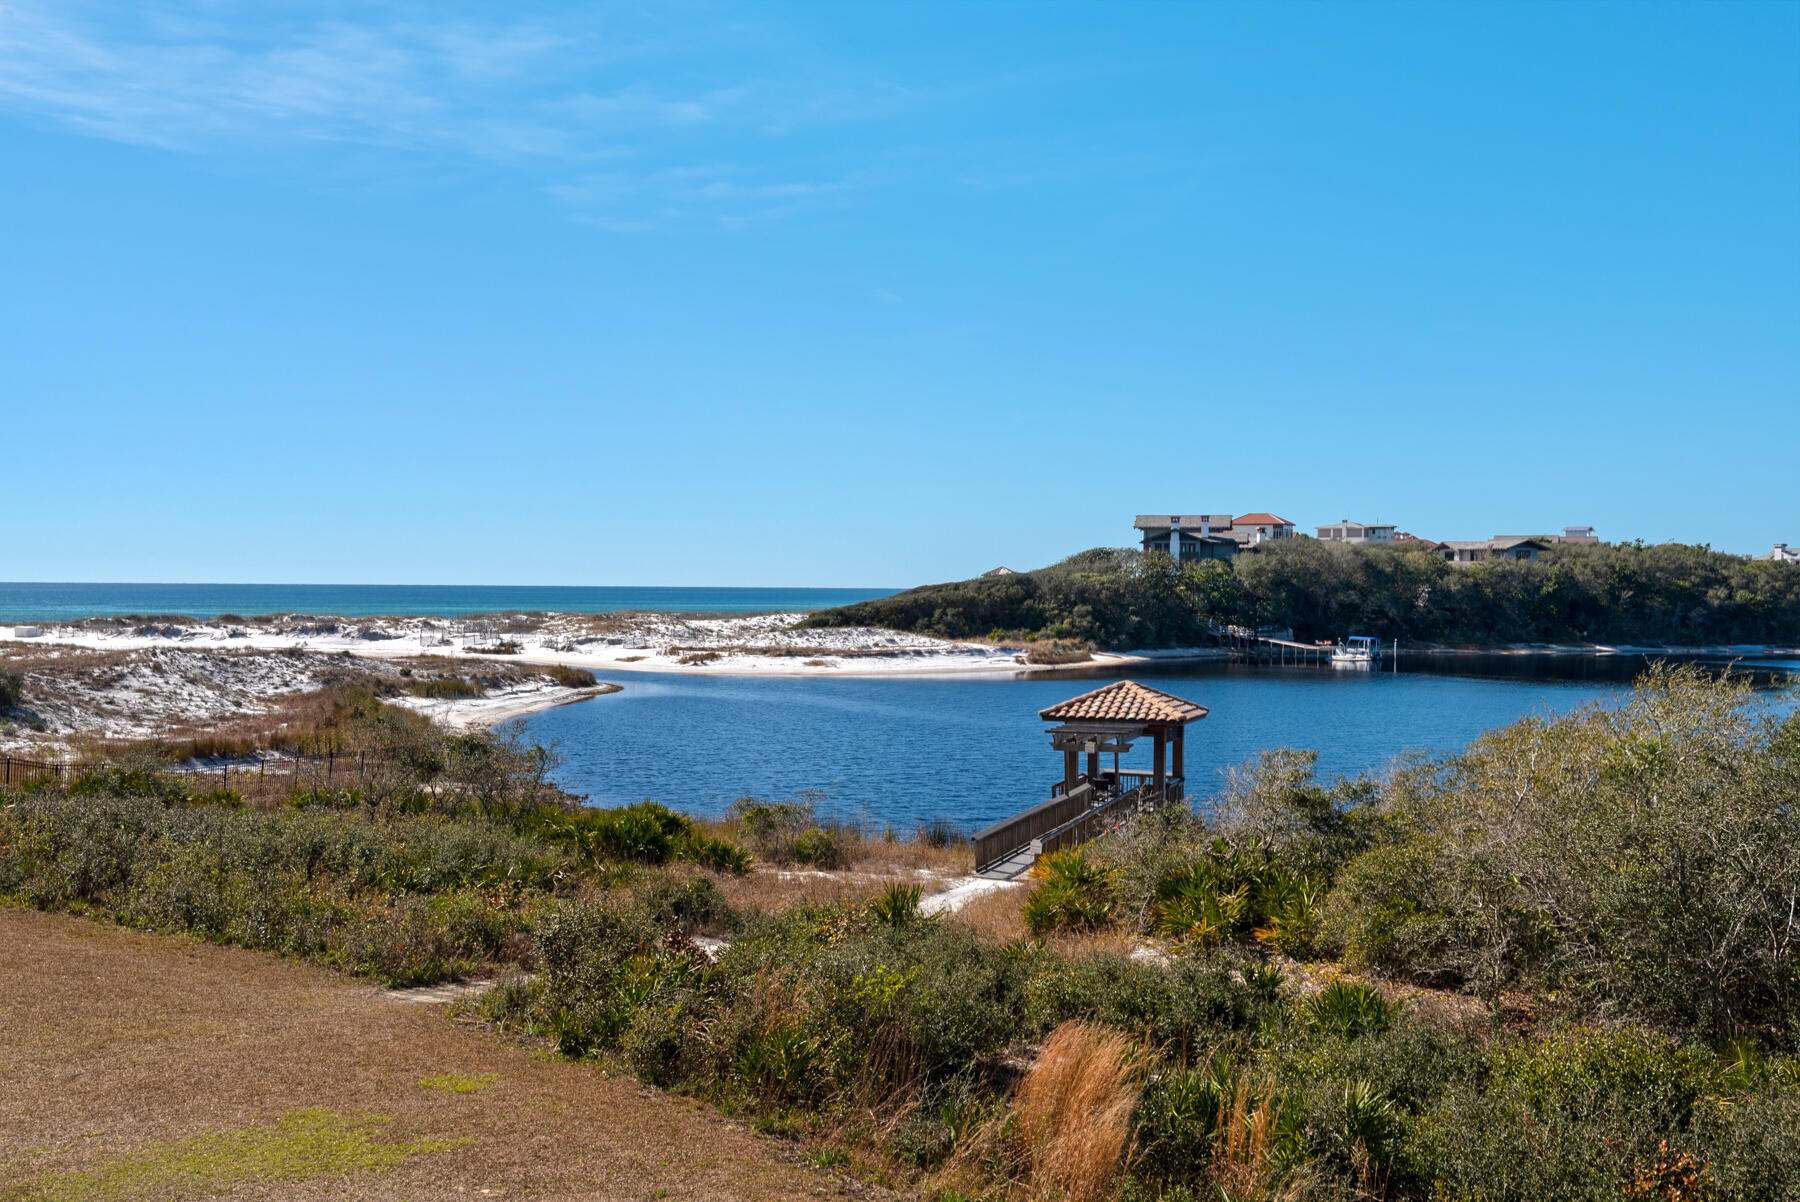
1357,651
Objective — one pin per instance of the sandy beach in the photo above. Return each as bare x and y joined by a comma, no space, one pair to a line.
141,677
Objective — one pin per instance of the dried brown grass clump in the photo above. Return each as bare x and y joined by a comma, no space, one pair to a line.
1058,651
1073,1113
1244,1147
570,678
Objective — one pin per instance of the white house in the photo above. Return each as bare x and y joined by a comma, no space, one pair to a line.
1782,554
1348,531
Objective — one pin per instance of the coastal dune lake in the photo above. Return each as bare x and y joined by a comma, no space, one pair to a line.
903,751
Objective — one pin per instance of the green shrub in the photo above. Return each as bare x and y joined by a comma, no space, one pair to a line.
819,848
658,1042
1072,893
898,905
1176,1120
12,689
1350,1009
1230,892
599,965
646,833
775,829
1185,1009
1638,859
686,903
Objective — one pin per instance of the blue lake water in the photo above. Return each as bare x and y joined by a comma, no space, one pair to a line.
905,750
27,602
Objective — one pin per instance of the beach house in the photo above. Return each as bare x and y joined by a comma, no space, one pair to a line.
1348,531
1782,554
1189,537
1254,528
1501,546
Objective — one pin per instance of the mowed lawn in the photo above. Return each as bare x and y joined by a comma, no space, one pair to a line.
142,1066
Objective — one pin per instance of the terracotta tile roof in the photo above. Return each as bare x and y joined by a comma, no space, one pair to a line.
1124,701
1260,519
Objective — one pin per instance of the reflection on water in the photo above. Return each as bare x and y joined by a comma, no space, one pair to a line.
901,751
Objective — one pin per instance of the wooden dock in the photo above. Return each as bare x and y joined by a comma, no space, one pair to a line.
1249,647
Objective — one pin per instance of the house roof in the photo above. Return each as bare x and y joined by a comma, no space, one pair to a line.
1125,701
1261,519
1160,521
1503,542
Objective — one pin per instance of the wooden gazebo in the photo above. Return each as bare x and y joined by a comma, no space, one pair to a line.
1086,803
1109,719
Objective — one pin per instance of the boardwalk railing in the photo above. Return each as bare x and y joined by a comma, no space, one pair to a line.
1074,816
1005,837
1108,816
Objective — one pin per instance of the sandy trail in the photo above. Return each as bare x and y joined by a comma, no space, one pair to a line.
120,1043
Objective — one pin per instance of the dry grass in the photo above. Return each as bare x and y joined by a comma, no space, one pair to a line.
51,657
1058,651
1244,1147
864,852
1073,1113
130,1060
769,889
998,913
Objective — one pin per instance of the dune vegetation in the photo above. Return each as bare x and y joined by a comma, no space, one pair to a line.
1559,965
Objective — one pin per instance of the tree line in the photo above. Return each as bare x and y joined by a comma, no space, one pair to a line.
1117,599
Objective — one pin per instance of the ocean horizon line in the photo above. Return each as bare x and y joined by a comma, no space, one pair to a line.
63,601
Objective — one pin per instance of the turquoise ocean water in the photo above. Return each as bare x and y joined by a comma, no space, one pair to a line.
32,602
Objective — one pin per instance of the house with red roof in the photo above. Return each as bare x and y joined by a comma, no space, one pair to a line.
1254,528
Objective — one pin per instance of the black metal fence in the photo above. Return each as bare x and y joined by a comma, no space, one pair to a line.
318,770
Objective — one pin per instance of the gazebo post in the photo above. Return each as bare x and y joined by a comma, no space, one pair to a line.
1070,760
1162,741
1093,758
1177,767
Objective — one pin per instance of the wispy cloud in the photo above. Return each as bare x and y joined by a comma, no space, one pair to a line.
628,126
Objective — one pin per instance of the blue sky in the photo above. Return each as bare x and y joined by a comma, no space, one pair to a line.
868,295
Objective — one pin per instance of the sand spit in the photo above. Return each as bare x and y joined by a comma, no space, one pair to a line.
737,645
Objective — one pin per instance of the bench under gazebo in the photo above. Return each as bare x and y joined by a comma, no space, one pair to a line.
1090,799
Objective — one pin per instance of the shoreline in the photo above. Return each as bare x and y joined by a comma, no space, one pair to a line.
706,645
485,713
